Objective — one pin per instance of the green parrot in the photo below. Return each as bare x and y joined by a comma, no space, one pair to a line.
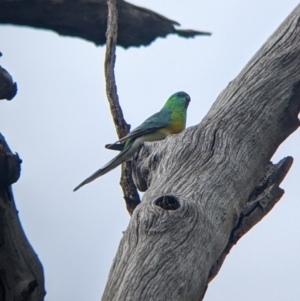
171,119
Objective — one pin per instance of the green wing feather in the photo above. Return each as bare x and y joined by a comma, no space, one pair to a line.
115,146
155,122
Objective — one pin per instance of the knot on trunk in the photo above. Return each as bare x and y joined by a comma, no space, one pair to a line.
167,202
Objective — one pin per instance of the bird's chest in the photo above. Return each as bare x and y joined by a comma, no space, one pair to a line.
174,128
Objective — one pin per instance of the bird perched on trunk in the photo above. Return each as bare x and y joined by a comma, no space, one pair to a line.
171,119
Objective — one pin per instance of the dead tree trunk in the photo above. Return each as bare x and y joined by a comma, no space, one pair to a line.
21,273
209,185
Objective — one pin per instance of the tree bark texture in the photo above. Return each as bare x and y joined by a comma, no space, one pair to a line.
87,19
21,273
209,185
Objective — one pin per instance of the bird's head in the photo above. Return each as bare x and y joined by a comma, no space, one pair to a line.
178,99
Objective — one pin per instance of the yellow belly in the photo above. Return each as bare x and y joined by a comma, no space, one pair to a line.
175,128
161,134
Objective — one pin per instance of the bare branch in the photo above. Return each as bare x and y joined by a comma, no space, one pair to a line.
261,201
110,57
88,20
131,195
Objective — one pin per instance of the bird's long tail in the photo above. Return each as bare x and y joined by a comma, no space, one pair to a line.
123,156
100,172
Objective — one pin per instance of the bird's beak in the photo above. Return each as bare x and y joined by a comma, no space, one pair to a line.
188,99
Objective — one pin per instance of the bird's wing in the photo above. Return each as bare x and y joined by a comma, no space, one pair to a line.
115,146
155,122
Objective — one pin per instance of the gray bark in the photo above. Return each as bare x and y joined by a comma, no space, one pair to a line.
209,185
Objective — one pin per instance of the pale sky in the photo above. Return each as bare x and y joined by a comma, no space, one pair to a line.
59,122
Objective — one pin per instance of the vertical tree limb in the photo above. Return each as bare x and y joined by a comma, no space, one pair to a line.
21,273
131,195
